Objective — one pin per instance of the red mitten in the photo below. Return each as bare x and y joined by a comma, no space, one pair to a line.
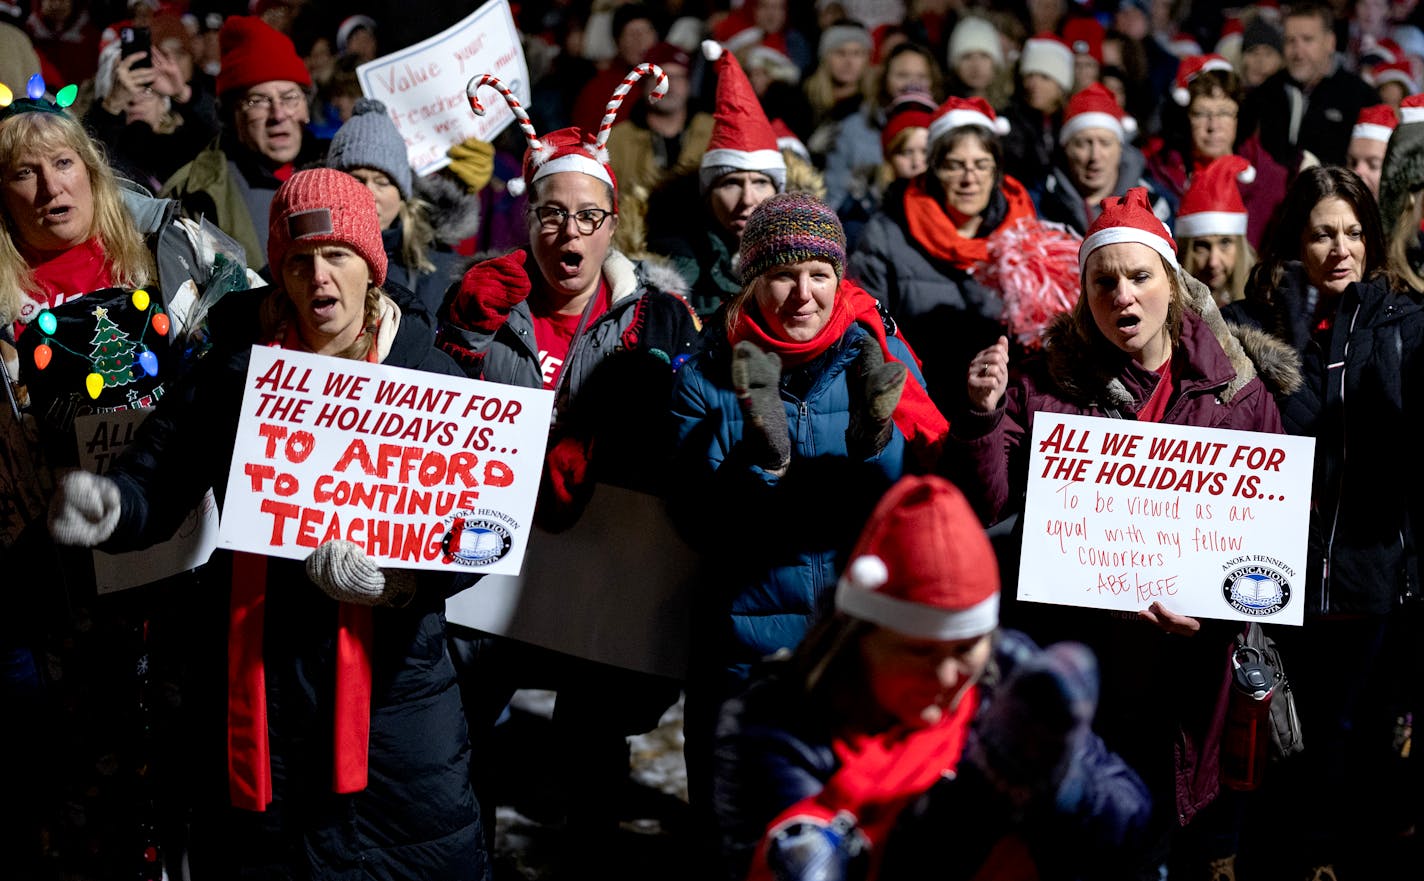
568,468
489,291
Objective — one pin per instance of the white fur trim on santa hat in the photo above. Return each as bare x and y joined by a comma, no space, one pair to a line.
794,145
1211,223
857,596
1116,234
581,162
1409,115
744,160
1396,76
1371,132
1124,127
959,118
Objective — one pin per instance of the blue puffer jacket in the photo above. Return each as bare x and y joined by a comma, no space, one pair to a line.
774,545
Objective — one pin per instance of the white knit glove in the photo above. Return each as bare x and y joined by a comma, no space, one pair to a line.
84,510
344,572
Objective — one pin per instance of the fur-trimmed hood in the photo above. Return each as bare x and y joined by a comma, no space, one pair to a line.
454,211
1081,375
627,277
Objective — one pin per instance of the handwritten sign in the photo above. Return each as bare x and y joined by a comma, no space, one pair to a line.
423,86
1211,522
421,470
101,438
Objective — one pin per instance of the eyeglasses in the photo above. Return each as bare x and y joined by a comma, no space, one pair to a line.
959,168
261,105
1205,115
587,220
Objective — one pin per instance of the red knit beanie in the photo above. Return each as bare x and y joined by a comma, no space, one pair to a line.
254,52
325,206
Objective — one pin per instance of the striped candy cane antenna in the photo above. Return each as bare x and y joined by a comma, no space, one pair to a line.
489,79
610,112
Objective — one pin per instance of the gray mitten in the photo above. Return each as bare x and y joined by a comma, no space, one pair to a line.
756,378
344,573
875,388
85,509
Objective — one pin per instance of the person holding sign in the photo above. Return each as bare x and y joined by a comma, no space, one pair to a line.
338,737
908,713
807,402
1144,342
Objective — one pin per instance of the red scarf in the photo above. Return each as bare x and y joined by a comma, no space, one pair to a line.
915,415
249,758
68,274
878,776
933,230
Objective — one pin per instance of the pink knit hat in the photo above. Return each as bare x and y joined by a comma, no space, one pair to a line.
325,206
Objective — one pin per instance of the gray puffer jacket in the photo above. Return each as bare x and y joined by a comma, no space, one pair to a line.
1060,201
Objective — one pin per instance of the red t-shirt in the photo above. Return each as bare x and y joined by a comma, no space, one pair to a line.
554,333
1156,406
63,276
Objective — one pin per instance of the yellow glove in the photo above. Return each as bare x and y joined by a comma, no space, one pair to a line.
473,162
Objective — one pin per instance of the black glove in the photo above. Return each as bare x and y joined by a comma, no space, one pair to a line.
1294,302
756,378
875,388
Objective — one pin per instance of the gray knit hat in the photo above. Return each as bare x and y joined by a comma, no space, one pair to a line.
369,140
1403,170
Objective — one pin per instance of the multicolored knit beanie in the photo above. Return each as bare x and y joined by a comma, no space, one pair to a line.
790,228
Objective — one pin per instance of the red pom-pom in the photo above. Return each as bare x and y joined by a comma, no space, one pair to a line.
1034,267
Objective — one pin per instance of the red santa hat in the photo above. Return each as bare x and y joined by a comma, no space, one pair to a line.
1184,45
1085,37
958,112
786,140
1400,71
1212,205
1375,123
1411,109
1128,218
923,566
1096,107
742,137
1190,69
567,149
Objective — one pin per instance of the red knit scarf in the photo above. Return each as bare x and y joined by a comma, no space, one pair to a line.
933,230
918,419
879,775
249,757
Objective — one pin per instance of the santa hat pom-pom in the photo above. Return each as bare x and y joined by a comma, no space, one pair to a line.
712,50
1001,126
1129,125
868,572
1246,175
516,186
1181,96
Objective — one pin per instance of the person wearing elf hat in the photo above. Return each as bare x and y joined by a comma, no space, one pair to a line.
1210,94
1211,229
741,168
1144,341
1096,160
1036,113
1368,141
321,691
605,333
908,715
805,399
263,99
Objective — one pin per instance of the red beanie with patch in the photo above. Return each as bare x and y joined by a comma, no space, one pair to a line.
325,206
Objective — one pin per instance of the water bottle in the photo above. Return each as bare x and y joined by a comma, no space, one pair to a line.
1248,721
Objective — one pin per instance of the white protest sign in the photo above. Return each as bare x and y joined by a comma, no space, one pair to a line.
421,470
1209,521
423,86
101,438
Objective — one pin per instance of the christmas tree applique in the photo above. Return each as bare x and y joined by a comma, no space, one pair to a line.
113,352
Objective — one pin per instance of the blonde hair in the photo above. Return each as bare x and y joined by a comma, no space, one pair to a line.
1240,270
417,235
820,91
885,174
128,260
1402,238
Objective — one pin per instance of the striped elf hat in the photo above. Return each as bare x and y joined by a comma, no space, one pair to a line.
568,149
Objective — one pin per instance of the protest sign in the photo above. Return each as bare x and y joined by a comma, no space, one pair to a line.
423,86
101,438
421,470
1211,522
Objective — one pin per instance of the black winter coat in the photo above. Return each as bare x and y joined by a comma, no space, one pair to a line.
418,817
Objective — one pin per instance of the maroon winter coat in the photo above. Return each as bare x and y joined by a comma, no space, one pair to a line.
1260,197
1163,700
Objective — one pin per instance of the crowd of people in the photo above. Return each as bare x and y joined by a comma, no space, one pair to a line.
799,277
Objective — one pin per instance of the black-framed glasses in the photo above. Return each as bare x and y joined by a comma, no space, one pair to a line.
586,220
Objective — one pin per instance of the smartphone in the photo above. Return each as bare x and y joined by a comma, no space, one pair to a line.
133,41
